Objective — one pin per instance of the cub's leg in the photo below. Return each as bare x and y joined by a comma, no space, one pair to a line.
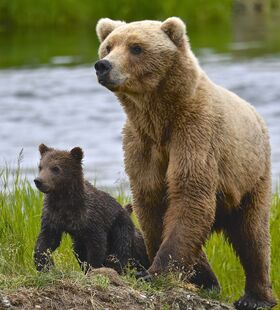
120,242
47,242
80,252
248,231
96,247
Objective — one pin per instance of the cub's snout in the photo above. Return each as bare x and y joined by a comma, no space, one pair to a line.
42,187
38,182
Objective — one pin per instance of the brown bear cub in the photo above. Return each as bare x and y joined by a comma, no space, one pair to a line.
98,225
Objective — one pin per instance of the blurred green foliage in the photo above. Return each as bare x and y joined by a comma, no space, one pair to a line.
72,13
33,32
42,29
34,48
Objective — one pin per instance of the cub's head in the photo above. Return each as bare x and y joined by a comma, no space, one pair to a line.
58,169
135,57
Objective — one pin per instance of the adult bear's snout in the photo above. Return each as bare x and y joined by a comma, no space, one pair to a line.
102,67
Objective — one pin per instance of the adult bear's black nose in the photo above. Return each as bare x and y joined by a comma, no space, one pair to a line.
102,67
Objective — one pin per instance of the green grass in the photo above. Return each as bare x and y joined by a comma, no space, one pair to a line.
20,209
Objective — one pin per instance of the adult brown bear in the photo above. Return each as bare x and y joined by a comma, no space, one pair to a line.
197,155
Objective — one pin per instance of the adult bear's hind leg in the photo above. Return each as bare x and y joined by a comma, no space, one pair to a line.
248,231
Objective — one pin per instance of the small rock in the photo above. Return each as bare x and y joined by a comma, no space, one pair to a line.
5,302
142,296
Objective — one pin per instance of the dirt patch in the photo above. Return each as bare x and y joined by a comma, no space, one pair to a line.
107,291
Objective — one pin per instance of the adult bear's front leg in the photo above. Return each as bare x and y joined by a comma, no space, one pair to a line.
150,210
146,167
191,210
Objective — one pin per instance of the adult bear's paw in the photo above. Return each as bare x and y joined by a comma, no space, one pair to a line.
144,275
248,302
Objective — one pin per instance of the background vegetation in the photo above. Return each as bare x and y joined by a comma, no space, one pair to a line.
33,31
20,209
73,13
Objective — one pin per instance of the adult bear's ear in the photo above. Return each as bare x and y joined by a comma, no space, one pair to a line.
44,149
105,26
175,28
77,153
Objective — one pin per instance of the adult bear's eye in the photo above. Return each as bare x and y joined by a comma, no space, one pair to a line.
135,49
55,169
108,49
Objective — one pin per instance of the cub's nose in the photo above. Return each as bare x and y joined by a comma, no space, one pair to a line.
38,182
102,67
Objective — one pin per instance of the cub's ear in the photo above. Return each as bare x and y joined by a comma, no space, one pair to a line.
175,28
105,26
43,149
77,153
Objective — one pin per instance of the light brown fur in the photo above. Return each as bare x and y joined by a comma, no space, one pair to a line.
187,141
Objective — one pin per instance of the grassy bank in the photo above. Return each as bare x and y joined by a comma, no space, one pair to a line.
20,209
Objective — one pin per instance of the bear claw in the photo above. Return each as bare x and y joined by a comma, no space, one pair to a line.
251,303
144,275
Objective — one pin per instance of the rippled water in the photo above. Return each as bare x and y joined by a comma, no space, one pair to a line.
64,107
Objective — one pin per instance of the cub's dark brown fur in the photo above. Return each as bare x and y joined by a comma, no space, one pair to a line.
99,227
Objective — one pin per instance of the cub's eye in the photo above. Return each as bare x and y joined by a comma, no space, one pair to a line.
40,168
55,169
135,49
108,49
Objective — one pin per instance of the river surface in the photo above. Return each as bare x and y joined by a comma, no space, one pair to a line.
60,103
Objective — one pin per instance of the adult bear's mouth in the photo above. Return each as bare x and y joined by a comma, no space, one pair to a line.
106,82
110,84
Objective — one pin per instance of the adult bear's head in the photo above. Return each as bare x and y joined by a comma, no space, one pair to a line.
137,57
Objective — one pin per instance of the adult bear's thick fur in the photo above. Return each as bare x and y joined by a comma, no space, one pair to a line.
197,155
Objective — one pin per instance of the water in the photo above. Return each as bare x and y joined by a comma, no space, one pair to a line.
59,102
61,107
